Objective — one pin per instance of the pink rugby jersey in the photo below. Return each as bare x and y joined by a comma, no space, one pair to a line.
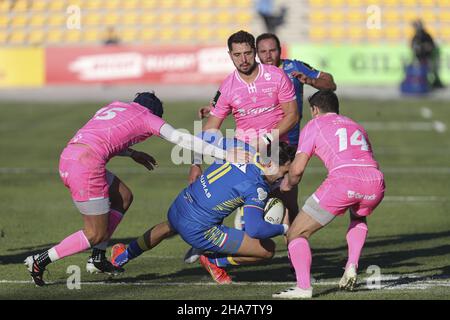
338,141
255,106
116,127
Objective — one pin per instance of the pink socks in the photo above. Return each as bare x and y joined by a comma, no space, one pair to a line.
356,237
300,255
74,243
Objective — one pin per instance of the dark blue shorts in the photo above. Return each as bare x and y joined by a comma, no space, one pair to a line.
215,238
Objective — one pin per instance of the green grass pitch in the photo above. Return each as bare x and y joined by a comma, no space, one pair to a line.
409,234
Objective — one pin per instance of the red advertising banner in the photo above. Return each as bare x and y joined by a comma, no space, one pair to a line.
118,64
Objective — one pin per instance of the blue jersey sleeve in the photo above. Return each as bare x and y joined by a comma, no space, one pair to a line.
256,227
306,69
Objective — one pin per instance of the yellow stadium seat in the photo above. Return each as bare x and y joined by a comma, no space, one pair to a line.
409,3
336,3
130,5
224,17
428,17
92,36
4,21
337,17
39,5
130,19
37,20
355,33
243,4
318,33
166,35
356,15
205,17
444,16
244,17
318,3
355,3
56,19
445,34
4,8
19,21
428,3
374,34
409,16
56,5
186,18
223,3
128,35
149,19
337,33
93,4
111,19
168,4
17,37
73,36
54,36
443,3
205,34
148,4
318,17
186,34
91,19
148,34
185,4
224,33
393,33
36,37
167,18
204,4
3,37
391,16
19,5
112,5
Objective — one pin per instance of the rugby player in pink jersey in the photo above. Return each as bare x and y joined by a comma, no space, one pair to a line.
354,182
260,97
100,196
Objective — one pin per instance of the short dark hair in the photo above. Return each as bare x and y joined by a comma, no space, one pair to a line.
150,101
241,37
287,152
266,36
325,100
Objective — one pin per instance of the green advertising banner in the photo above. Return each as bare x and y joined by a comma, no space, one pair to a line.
363,64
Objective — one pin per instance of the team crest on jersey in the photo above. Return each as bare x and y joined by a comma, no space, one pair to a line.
262,194
267,76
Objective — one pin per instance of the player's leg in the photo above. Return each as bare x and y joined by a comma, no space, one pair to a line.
121,198
373,191
121,255
310,219
228,246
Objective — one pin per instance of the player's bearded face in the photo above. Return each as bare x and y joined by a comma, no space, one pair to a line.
268,52
243,57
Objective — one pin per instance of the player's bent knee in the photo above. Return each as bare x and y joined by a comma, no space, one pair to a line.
96,236
127,200
269,248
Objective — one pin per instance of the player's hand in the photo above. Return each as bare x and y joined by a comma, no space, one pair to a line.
302,77
204,112
285,186
145,159
194,173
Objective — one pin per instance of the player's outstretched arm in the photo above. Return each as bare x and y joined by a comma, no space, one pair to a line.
191,142
325,80
296,170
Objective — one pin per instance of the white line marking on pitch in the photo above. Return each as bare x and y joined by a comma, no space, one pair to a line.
388,282
405,126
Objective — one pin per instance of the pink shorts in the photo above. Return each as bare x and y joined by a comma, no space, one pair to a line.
359,189
84,173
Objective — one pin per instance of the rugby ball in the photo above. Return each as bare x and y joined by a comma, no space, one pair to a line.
274,211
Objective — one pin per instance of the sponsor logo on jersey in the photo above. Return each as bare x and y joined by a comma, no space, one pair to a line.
205,187
262,194
356,195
